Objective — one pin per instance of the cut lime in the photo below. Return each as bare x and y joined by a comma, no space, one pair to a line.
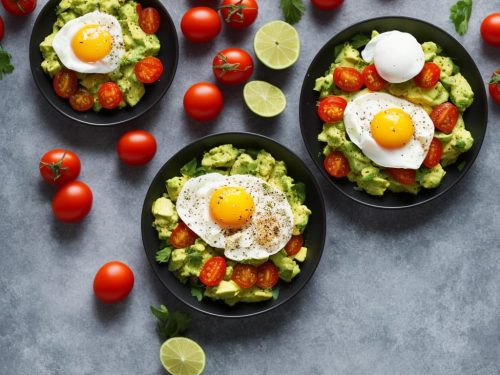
277,45
264,99
182,356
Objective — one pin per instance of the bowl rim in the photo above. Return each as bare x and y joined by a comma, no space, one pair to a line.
50,6
322,213
477,143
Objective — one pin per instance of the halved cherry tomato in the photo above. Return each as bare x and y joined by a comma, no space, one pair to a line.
245,275
403,176
19,7
490,29
149,69
200,24
109,94
373,81
213,271
327,4
331,108
494,86
239,14
65,83
149,19
81,101
445,117
428,76
182,236
294,245
336,164
232,66
59,166
347,79
434,154
267,275
72,202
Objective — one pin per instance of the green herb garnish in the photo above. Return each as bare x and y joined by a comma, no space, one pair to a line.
170,325
163,255
292,10
460,15
5,65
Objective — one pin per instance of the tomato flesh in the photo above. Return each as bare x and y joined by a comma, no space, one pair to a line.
239,14
232,66
336,164
331,108
490,29
445,117
213,271
182,236
428,76
403,176
149,20
65,83
434,154
267,275
81,101
200,24
72,202
113,282
372,80
59,166
245,275
110,96
347,79
294,245
149,69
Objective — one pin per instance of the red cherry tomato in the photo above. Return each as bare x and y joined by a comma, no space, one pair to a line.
213,271
331,108
347,79
239,14
136,147
494,86
403,176
113,282
203,101
149,69
149,19
59,166
72,202
81,100
267,275
434,154
2,27
372,80
244,275
326,4
445,117
490,29
232,66
110,96
428,76
19,7
336,164
182,236
200,24
65,83
294,245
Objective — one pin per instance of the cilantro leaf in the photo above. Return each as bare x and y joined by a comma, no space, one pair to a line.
292,10
197,292
189,169
5,65
161,313
193,256
460,14
276,292
359,40
163,255
170,325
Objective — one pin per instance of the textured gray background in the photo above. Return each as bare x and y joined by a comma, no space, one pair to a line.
410,292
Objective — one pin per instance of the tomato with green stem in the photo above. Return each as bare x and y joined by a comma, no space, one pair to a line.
113,282
239,14
232,66
494,86
59,166
72,202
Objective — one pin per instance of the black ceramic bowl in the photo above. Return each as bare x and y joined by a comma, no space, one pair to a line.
169,54
314,234
475,117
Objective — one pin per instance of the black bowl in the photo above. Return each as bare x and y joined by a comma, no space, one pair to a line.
314,234
169,54
475,117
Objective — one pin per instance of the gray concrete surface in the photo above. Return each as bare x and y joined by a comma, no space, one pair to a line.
411,292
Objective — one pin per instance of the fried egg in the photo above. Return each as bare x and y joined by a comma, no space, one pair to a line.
92,43
391,131
242,214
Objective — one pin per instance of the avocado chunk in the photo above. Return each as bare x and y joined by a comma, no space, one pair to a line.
174,186
165,217
418,95
301,255
430,178
225,290
287,267
301,215
445,64
220,157
177,259
431,50
244,164
265,164
461,93
460,140
349,57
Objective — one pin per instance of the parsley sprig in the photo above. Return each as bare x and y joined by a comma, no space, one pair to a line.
170,325
292,10
5,64
460,15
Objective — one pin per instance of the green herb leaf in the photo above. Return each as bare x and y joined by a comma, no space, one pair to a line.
197,292
193,256
292,10
359,40
170,325
460,15
276,292
5,65
160,313
495,79
163,255
299,191
189,169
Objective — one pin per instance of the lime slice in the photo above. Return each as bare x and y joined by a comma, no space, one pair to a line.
277,45
182,356
264,99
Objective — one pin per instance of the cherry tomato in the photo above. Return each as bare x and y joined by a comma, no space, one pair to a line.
109,94
372,80
149,69
347,79
494,86
445,117
200,24
81,101
149,19
65,83
19,7
72,202
403,176
267,275
182,236
232,66
336,164
113,282
203,101
331,108
294,245
244,275
59,166
2,27
239,14
136,147
213,271
434,154
428,76
326,4
490,29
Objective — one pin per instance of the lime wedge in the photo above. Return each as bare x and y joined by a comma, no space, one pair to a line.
182,356
277,45
264,99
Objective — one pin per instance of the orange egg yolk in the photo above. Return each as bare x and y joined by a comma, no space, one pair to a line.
92,43
392,128
231,207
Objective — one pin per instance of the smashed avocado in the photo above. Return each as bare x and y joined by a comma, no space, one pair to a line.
138,45
452,86
186,263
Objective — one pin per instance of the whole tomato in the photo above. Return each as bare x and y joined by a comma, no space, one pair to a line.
494,86
239,14
59,166
327,4
490,29
113,282
19,7
203,101
136,147
232,66
200,24
72,202
2,27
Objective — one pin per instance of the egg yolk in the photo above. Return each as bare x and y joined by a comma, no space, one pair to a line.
92,43
231,207
392,128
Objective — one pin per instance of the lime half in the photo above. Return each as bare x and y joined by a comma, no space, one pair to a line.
182,356
277,45
264,99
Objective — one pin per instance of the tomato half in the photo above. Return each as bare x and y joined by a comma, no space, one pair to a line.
59,166
136,147
244,275
149,69
445,117
113,282
372,80
19,7
109,94
182,236
149,19
494,86
267,275
2,28
82,100
347,79
294,245
65,83
434,154
213,271
331,108
239,14
326,4
72,202
336,164
403,176
428,76
203,101
200,24
232,66
490,29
